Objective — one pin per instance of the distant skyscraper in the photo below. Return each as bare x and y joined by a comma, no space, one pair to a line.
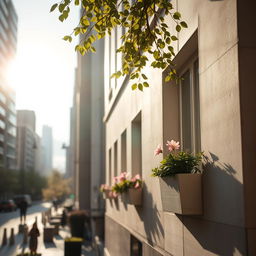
8,42
26,118
47,143
26,140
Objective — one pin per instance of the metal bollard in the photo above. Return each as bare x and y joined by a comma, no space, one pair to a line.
12,240
25,235
4,241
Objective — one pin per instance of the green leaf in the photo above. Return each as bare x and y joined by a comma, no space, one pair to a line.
167,79
61,18
174,38
77,2
145,84
53,7
67,38
184,24
118,74
61,7
168,40
176,16
134,87
178,28
140,86
144,76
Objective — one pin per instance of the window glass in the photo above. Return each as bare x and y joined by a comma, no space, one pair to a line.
136,146
2,98
115,159
190,109
2,124
123,152
109,167
2,111
136,246
186,112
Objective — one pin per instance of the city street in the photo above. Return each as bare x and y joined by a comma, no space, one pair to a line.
11,220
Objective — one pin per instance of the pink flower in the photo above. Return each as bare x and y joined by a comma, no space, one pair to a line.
113,194
135,178
116,179
172,145
137,185
158,150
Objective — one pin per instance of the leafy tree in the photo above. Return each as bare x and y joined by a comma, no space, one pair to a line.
145,32
21,182
9,182
57,186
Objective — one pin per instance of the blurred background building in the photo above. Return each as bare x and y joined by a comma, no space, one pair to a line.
8,43
47,144
26,140
87,139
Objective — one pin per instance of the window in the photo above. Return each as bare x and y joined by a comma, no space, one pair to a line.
190,108
2,111
2,124
136,246
123,152
109,167
2,98
115,159
136,146
12,118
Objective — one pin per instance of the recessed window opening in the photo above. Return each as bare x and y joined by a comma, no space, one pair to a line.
123,152
190,108
115,159
136,246
136,146
109,167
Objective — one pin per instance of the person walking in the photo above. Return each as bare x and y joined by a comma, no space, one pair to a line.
34,234
23,205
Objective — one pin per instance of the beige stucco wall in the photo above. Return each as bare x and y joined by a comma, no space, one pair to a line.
220,231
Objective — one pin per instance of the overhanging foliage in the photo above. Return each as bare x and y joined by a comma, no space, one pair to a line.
145,33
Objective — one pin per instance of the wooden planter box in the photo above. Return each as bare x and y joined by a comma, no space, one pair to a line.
124,197
135,196
182,193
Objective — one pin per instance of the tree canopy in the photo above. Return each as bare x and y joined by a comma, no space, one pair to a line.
57,186
145,33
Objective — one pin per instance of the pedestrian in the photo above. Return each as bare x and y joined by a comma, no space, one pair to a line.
55,204
23,205
33,233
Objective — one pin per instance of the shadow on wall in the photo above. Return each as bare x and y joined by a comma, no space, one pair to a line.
150,217
220,229
114,202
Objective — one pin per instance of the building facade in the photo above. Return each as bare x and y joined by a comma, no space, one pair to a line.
8,43
26,140
47,144
213,110
87,136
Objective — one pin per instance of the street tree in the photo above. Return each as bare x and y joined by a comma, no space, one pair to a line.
57,186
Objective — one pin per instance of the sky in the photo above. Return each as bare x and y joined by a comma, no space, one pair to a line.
43,71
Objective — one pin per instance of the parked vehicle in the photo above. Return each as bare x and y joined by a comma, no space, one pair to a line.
17,199
8,205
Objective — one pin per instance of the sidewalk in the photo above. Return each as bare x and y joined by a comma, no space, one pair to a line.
45,249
